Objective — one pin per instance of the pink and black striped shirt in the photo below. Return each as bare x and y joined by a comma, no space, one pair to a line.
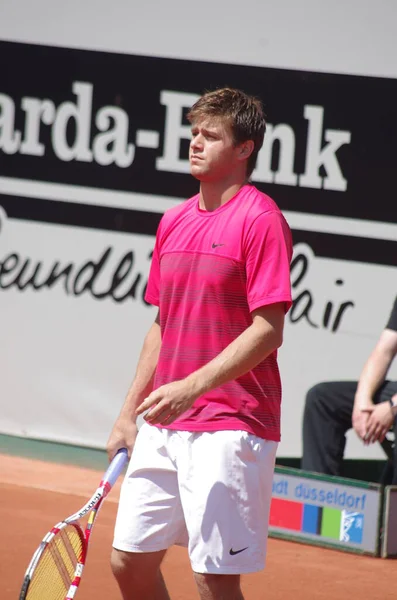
209,271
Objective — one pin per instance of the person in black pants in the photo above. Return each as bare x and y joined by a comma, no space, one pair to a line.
368,405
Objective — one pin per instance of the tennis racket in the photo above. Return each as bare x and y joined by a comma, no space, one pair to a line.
54,573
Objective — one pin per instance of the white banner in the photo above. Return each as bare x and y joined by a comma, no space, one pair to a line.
73,321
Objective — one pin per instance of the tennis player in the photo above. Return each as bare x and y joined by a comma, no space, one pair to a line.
207,381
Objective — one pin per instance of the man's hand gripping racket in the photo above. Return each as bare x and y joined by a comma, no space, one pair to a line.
54,573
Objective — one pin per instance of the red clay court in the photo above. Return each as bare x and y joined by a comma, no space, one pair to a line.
36,494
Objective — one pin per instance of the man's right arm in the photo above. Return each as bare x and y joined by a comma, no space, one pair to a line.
124,431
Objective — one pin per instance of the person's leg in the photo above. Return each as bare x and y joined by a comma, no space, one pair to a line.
138,575
218,587
225,480
149,517
326,419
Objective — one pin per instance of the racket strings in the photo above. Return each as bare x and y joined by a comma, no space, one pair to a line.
63,561
57,565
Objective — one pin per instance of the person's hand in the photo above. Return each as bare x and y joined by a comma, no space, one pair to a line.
123,435
169,402
360,417
380,419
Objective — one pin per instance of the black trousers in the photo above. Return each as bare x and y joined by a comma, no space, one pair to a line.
327,417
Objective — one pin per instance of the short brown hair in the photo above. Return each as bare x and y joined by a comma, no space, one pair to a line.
242,112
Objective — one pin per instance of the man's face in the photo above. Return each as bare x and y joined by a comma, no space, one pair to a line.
212,154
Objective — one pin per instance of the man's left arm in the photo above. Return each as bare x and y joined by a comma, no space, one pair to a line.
381,415
251,347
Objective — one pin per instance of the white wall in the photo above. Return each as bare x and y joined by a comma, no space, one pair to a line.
342,36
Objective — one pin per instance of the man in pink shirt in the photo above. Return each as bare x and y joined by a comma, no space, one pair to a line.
207,379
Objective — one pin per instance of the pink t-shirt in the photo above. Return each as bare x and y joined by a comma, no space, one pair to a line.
209,271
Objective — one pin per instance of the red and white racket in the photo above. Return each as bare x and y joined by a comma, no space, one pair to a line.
54,573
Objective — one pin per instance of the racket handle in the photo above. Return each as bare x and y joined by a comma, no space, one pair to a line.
116,466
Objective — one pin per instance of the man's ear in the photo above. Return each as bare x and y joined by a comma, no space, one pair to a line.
246,149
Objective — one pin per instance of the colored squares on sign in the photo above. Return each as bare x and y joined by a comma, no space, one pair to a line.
342,526
286,514
352,527
311,519
331,523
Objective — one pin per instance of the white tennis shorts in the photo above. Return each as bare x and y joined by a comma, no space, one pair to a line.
208,491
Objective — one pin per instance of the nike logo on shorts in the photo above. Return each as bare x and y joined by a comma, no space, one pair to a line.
233,552
217,245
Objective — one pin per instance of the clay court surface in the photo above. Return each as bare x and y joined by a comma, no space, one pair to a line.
35,495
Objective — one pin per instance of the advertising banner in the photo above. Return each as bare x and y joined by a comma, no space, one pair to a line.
93,150
389,529
326,511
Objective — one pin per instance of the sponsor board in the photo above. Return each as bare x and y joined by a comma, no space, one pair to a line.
90,125
389,525
326,511
93,150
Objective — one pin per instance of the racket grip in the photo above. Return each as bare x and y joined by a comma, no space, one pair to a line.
116,466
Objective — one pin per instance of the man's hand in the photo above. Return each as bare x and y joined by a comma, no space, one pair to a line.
380,419
169,401
123,435
360,419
